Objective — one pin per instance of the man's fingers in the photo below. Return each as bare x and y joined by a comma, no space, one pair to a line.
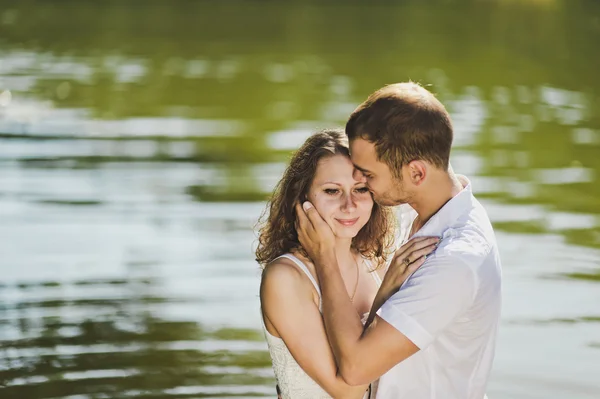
312,214
301,217
303,225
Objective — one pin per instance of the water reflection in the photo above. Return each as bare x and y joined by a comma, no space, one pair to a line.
137,145
119,347
561,174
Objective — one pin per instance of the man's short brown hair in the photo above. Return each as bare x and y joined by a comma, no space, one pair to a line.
405,122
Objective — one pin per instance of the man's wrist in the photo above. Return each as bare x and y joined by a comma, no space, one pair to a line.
326,265
327,258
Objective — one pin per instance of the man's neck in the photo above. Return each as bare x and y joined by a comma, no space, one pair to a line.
443,188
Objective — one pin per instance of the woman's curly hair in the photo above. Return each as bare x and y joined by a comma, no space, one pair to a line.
277,230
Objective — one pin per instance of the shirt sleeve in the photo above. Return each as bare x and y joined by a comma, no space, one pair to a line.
435,295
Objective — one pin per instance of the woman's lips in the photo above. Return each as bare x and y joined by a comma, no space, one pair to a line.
347,222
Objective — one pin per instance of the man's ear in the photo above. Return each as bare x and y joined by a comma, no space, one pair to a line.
417,171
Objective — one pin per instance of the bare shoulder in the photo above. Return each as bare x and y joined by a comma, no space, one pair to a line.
284,292
282,277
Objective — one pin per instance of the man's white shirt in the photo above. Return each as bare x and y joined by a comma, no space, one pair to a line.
449,308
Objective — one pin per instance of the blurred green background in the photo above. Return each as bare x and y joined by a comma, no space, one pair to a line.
139,141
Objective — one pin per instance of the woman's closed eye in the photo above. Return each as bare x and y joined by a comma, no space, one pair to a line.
336,191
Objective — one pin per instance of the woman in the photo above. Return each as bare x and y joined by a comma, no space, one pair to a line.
321,172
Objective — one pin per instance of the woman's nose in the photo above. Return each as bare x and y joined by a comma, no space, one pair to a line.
348,203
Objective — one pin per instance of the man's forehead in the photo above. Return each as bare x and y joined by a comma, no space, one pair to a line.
362,153
361,145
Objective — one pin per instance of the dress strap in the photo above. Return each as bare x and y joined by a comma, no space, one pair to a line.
303,267
376,277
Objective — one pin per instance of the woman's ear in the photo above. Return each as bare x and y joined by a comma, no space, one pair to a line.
303,198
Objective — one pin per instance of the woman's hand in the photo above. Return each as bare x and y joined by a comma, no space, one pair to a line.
406,260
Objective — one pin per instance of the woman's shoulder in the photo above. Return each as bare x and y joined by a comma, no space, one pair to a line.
284,273
281,269
282,279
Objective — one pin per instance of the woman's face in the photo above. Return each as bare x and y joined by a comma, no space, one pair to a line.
343,202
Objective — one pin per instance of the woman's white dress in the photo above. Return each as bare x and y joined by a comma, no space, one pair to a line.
293,382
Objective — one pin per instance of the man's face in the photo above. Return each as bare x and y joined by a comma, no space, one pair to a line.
386,189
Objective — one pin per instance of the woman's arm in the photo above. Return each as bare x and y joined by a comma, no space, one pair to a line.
288,305
414,252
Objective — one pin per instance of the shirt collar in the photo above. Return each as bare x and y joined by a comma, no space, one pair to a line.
457,206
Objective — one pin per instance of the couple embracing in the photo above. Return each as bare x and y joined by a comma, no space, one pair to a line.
363,300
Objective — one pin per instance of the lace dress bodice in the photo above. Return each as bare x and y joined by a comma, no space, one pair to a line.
292,380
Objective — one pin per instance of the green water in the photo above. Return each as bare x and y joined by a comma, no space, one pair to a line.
138,142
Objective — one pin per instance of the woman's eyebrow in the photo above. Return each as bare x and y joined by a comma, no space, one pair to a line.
331,182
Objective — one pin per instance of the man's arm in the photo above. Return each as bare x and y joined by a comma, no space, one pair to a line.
360,357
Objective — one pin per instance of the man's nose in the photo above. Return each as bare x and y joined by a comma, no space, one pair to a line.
359,176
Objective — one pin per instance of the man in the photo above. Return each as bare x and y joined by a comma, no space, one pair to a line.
435,336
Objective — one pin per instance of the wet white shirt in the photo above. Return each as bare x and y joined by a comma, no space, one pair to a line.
449,308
